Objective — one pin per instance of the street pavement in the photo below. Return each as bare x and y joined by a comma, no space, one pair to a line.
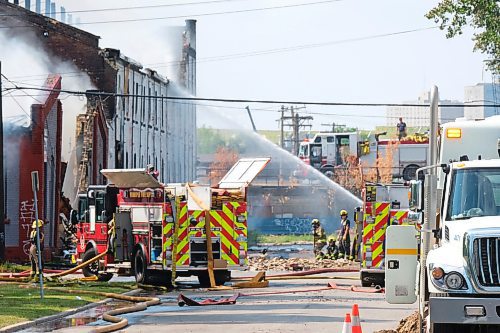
321,311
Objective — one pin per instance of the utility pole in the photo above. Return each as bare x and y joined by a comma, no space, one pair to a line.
282,139
2,198
334,126
295,122
251,119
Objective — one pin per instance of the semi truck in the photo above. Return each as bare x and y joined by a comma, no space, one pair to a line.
158,231
326,151
451,262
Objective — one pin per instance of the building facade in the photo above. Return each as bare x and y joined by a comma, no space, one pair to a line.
419,116
483,94
137,127
33,145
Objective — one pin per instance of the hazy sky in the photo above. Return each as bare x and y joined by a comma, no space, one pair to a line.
345,65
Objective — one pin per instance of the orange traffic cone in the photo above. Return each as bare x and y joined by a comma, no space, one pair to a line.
356,323
347,324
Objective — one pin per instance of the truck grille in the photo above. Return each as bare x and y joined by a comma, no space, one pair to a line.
487,264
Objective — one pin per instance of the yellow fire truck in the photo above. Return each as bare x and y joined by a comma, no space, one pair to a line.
158,231
383,205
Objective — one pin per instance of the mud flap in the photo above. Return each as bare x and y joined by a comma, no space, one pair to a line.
400,264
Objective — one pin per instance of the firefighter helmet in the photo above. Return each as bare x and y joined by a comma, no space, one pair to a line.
331,239
315,221
343,212
40,224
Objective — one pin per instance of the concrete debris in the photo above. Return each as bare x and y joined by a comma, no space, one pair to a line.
294,264
406,325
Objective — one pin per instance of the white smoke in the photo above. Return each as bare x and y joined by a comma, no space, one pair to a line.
25,63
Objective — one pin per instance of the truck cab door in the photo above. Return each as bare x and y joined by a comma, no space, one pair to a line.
401,264
316,155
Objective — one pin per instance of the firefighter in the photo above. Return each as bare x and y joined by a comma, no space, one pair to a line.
332,251
319,238
344,237
33,254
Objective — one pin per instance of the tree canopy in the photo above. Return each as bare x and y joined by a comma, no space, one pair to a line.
482,15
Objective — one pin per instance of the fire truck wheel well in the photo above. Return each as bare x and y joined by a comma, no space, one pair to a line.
326,167
137,248
91,245
410,171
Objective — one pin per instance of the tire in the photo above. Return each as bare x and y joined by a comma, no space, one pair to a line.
410,171
93,268
221,277
371,279
140,268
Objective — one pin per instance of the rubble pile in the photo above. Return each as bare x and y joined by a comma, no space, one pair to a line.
295,264
406,325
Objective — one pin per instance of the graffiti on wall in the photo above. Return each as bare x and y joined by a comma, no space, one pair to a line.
294,225
26,218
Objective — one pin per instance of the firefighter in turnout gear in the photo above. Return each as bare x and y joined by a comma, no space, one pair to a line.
344,237
319,238
33,254
332,251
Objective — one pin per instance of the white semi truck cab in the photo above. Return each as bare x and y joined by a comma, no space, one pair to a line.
459,287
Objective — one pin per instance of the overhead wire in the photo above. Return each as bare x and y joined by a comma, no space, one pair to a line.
249,54
194,15
180,4
234,100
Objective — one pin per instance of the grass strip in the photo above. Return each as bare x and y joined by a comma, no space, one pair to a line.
22,304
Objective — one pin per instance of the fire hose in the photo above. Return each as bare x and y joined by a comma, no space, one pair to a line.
184,300
305,273
111,316
22,277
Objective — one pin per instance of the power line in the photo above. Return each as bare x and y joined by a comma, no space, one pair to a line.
182,4
195,15
249,54
233,100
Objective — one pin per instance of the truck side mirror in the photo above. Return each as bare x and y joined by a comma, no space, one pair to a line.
74,217
415,196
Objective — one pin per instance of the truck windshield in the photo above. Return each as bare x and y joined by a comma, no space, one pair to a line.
475,192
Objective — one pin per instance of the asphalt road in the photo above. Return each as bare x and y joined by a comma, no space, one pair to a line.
321,311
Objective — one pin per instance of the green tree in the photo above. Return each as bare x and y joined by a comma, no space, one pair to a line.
482,15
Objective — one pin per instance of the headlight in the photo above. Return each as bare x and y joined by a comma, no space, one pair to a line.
454,280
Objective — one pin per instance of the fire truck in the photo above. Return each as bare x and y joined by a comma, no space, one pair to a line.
383,205
158,231
325,151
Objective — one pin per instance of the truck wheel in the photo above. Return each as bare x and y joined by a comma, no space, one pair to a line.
220,277
93,268
140,268
410,172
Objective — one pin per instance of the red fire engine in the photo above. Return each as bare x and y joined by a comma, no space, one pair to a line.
383,205
157,230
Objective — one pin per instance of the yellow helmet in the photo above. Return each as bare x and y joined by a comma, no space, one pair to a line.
331,239
343,212
315,221
40,224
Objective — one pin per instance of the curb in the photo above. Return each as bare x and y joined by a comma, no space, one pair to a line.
27,324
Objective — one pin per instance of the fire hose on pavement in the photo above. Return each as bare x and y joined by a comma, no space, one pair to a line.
142,304
184,300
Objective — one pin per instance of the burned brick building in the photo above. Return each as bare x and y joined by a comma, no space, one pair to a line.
33,145
115,131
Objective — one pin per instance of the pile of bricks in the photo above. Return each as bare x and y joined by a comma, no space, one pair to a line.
294,264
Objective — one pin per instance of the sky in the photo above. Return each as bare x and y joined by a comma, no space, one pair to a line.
326,51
